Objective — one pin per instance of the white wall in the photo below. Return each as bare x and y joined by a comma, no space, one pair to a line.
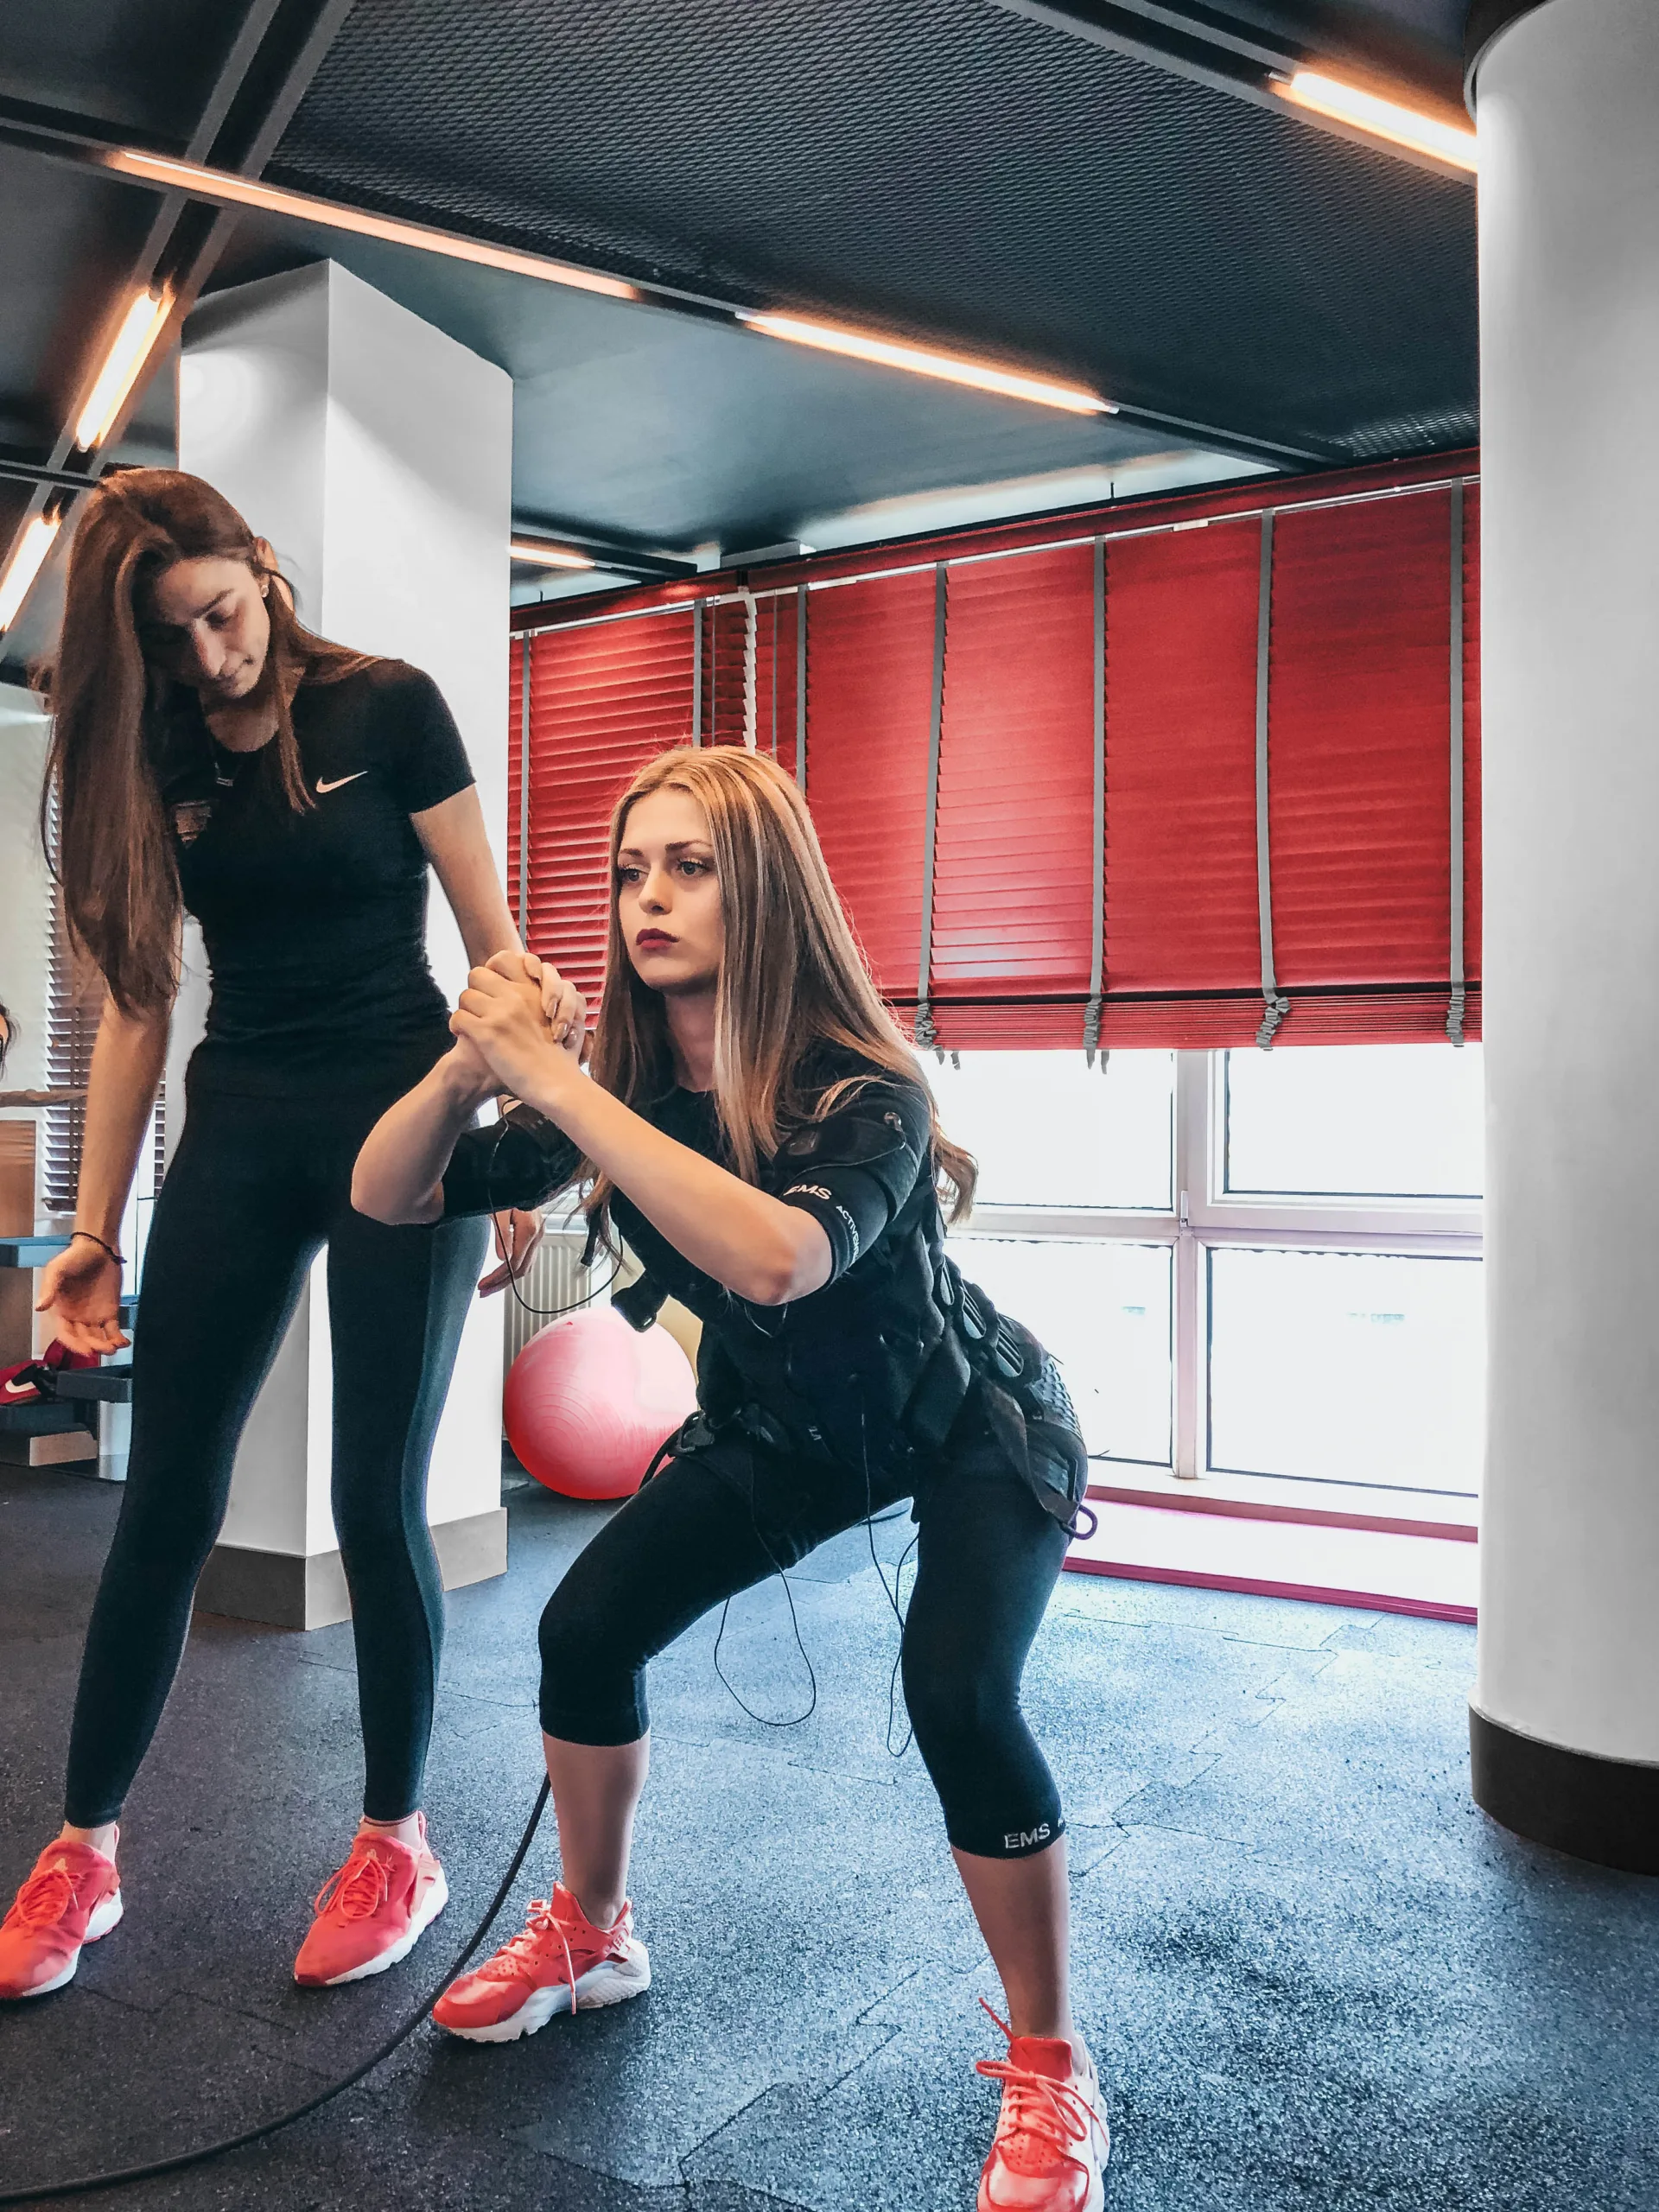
1568,107
25,887
375,453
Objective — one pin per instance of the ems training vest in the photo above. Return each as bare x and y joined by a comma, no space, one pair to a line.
875,1364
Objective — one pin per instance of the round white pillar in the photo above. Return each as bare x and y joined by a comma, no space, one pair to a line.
1566,1711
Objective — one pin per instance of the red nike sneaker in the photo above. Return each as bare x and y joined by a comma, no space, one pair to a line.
1051,2144
560,1963
373,1912
31,1379
73,1897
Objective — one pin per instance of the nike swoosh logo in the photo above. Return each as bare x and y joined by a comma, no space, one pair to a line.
21,1390
338,781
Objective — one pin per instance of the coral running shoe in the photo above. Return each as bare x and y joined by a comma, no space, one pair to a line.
560,1963
73,1897
1051,2142
373,1912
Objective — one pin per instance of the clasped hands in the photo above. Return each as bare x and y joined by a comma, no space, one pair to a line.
522,1025
518,1023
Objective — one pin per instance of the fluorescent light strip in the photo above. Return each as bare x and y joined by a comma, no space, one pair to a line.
1399,126
223,188
27,559
126,356
862,347
548,556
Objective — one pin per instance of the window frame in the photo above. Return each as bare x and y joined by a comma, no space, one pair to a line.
1202,1219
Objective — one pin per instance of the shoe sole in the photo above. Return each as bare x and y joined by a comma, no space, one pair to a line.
437,1898
104,1918
612,1982
1095,2202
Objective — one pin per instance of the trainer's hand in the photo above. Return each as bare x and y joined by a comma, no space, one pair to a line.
82,1290
517,1235
501,1016
564,1007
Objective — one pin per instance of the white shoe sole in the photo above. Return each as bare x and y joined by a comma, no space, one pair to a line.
106,1916
436,1899
612,1982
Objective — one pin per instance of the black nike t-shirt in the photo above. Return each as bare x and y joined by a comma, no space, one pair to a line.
314,923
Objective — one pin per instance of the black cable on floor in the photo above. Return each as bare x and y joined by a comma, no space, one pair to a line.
44,2190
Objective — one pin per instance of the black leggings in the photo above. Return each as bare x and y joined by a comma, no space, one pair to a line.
718,1519
257,1186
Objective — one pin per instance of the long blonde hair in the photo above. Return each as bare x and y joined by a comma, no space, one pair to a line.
792,978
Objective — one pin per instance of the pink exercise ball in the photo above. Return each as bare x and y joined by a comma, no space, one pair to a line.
589,1400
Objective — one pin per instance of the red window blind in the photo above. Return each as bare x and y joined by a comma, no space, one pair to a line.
780,695
869,674
604,698
1359,763
724,673
1014,884
1182,956
1187,773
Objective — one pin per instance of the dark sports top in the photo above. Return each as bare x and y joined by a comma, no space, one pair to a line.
315,922
841,1364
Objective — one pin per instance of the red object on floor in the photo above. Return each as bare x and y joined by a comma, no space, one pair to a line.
31,1379
589,1400
1384,1571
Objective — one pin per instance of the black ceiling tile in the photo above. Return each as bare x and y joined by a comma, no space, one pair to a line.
67,247
144,64
945,167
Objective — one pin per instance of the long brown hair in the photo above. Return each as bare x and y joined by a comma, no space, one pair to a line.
109,843
792,977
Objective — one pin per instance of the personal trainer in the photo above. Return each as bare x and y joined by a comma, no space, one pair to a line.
210,755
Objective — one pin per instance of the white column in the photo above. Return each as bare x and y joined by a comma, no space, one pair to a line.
375,453
1565,1723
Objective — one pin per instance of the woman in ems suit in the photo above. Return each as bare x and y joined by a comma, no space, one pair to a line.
760,1133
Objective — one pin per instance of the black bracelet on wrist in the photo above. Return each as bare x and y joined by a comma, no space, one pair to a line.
119,1258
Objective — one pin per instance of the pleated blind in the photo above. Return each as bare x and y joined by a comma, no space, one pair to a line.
74,1007
604,699
1183,774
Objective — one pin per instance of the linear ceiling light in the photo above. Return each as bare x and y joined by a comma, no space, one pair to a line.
548,556
138,334
862,347
28,558
226,188
1400,126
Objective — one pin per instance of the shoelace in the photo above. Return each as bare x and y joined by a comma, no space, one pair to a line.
521,1952
360,1887
45,1897
1056,2114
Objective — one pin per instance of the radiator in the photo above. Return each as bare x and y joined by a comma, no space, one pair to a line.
552,1279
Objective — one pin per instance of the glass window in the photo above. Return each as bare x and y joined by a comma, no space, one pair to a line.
1347,1367
1104,1312
1359,1121
1049,1130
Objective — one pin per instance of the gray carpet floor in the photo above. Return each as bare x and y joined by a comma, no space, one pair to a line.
1314,1975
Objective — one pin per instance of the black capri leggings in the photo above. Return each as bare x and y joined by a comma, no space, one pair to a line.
718,1519
258,1186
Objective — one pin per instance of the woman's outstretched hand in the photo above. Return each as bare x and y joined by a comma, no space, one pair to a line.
518,1234
503,1015
82,1290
